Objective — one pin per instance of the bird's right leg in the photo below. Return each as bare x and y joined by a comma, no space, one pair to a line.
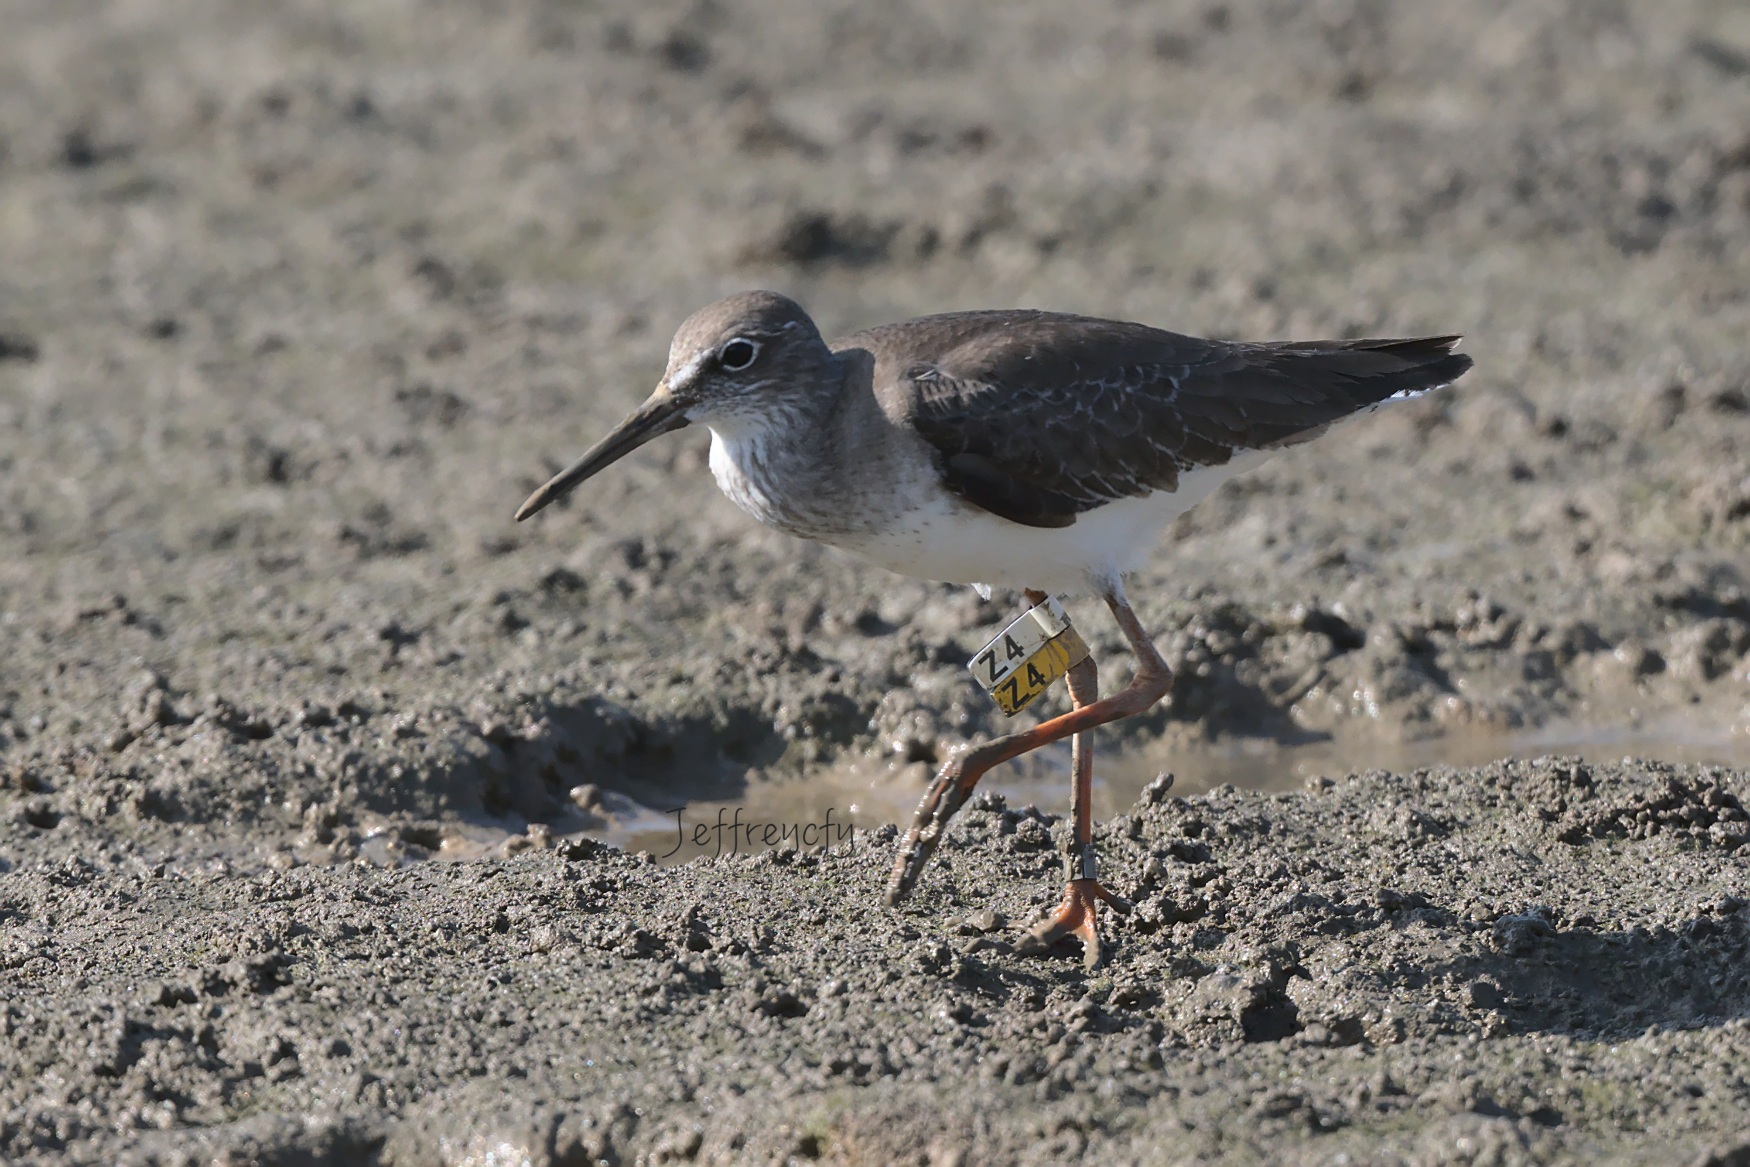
954,783
1079,913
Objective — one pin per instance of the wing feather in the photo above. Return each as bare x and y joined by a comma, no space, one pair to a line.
1039,417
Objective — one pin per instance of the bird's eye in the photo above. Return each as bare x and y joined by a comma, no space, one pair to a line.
737,354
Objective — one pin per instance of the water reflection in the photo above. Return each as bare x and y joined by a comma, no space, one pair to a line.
858,797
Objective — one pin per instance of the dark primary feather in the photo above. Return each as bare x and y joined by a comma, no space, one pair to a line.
1040,416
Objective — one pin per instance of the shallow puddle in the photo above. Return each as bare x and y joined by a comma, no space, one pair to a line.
842,805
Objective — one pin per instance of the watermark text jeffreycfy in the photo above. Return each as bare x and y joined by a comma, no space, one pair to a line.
733,834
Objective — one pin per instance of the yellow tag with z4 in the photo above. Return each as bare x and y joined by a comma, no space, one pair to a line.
1029,656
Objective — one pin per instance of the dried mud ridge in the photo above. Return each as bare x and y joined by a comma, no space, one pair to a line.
1539,961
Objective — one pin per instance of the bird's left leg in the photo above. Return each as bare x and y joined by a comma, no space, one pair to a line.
1078,915
954,782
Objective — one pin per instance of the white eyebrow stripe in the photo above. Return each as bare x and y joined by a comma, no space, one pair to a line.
691,370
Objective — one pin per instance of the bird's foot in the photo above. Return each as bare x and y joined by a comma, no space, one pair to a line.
1077,916
945,796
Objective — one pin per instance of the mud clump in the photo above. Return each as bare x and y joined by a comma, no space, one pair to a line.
1700,807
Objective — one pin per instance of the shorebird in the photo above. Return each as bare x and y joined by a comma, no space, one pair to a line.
1026,449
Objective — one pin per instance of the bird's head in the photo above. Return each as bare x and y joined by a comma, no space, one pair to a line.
735,359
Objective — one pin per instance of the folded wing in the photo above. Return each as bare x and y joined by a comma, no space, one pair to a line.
1039,417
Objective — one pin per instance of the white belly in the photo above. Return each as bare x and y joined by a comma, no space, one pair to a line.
951,541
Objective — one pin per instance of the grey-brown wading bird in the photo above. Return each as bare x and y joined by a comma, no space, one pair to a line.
1018,448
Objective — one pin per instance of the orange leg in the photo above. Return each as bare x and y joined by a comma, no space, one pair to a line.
1078,915
954,783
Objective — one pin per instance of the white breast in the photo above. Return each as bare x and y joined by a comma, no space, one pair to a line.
734,464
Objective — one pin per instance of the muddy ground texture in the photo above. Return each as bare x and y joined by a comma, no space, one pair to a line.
295,307
1522,963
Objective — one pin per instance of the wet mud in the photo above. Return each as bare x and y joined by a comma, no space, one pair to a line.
311,760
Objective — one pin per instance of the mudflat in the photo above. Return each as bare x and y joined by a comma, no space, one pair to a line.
307,750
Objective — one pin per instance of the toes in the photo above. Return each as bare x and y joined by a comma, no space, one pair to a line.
905,874
1093,952
1117,902
1043,938
896,889
1077,916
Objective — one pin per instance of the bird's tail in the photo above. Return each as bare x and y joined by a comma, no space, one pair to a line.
1385,370
1314,385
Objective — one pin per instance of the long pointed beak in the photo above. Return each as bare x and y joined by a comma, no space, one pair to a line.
659,415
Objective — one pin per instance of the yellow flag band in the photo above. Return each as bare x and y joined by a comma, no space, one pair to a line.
1029,656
